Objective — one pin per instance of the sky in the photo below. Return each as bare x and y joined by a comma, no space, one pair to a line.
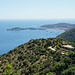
37,9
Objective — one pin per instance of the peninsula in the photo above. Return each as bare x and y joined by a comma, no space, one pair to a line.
58,26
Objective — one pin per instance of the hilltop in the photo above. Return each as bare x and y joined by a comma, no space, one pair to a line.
40,57
68,35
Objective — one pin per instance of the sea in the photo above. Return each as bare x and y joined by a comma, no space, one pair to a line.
11,39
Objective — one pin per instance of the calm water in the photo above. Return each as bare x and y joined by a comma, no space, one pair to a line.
11,39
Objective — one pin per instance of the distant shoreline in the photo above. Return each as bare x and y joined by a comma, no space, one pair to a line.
18,29
58,26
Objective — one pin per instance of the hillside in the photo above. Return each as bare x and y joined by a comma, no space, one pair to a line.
68,35
39,57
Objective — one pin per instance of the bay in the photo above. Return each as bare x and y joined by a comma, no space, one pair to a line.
11,39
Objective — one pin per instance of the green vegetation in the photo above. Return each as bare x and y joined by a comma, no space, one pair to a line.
73,44
70,71
35,58
8,69
68,35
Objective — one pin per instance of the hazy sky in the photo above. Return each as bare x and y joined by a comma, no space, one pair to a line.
37,9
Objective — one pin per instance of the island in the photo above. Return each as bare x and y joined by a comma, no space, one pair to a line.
58,26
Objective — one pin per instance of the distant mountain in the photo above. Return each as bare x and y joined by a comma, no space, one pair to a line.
61,26
68,35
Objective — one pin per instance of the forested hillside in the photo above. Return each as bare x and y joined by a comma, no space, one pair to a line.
68,35
39,57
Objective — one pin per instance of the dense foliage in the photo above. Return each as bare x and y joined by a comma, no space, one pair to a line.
68,35
35,58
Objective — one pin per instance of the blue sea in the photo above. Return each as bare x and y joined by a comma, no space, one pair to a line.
11,39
